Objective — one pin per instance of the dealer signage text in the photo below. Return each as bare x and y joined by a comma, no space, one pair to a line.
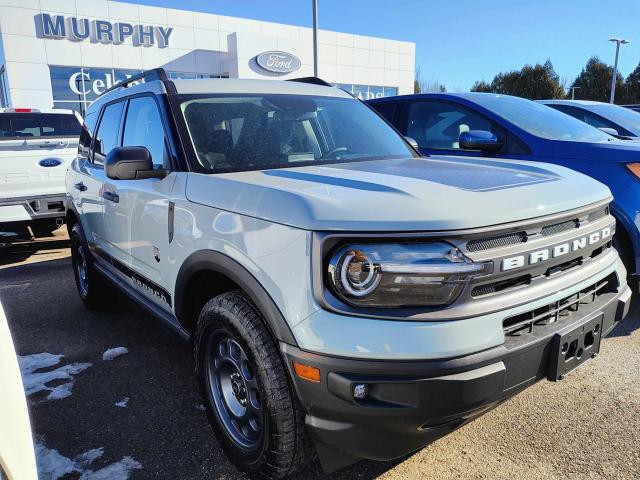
102,31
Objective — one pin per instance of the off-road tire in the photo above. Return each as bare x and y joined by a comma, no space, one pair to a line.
284,447
94,291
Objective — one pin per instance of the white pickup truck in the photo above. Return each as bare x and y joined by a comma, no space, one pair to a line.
36,147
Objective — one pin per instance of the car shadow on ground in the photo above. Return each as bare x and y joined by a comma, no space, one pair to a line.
19,245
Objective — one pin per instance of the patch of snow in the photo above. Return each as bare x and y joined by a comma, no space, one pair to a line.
87,458
31,363
123,403
120,470
114,352
36,381
52,465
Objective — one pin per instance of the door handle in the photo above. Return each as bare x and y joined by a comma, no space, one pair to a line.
112,197
80,186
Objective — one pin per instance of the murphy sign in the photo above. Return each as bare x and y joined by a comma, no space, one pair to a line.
100,31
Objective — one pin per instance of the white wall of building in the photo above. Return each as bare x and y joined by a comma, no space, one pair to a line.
200,42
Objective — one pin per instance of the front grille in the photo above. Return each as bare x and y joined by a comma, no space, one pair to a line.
598,214
523,280
496,242
559,228
504,285
515,238
527,322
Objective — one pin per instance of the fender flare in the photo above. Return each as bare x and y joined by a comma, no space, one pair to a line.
220,263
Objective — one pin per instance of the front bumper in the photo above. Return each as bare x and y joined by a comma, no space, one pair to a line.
27,209
412,403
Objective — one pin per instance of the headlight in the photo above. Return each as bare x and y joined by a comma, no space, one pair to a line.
401,274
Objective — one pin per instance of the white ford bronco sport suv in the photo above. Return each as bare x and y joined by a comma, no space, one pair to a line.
36,147
344,296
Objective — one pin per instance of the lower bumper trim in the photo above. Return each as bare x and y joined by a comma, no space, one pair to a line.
412,403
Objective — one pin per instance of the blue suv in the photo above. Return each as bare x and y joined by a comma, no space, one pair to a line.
502,126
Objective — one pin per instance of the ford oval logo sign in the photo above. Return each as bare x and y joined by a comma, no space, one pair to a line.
49,162
278,62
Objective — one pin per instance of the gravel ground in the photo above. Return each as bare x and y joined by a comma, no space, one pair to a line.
142,409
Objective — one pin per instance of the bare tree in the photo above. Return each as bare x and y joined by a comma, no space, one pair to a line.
428,84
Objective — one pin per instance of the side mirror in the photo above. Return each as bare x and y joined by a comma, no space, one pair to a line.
412,142
479,140
611,131
131,163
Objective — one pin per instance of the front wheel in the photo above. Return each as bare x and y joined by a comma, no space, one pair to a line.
250,403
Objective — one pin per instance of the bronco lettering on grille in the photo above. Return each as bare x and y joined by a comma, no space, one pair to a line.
544,254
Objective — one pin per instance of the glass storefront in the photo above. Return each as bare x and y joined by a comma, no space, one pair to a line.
367,92
76,87
192,75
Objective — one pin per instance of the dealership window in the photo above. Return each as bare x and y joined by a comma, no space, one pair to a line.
76,87
193,75
367,92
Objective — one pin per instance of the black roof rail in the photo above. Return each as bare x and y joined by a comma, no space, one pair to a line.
312,80
147,75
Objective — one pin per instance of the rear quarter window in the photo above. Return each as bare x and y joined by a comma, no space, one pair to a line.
36,125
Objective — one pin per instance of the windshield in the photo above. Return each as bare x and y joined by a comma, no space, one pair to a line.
252,132
623,116
540,120
34,125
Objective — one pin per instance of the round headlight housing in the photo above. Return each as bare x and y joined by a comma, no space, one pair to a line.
405,275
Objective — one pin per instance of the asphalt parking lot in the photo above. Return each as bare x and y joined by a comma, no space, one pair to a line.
112,396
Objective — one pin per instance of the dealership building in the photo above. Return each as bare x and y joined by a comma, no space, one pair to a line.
64,53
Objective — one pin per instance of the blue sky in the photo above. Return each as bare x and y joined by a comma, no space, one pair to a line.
466,40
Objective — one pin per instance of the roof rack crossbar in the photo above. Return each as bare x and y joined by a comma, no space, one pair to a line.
312,80
147,75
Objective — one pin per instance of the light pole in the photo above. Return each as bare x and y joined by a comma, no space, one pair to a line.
315,38
573,92
615,66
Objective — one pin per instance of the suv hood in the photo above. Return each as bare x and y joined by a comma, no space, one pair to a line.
413,194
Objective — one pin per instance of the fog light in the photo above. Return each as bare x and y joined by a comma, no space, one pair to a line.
360,391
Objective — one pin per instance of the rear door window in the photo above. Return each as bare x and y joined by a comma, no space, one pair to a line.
36,125
86,135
